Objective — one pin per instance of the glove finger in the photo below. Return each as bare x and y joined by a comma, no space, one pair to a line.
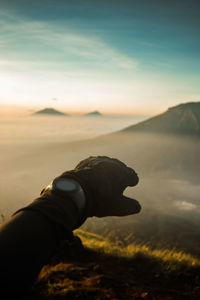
132,177
85,163
128,178
125,206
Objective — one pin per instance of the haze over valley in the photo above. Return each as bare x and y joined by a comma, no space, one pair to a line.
36,149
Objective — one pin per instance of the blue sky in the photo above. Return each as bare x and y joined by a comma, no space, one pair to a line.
116,56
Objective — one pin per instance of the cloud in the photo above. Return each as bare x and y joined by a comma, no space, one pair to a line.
42,60
188,206
42,41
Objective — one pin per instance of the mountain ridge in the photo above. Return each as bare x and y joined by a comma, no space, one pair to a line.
180,119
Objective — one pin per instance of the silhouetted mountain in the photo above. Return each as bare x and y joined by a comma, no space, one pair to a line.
50,111
180,119
93,114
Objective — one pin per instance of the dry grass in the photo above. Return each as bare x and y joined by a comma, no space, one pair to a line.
104,270
172,257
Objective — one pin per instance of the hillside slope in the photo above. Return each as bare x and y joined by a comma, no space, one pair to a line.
107,271
181,119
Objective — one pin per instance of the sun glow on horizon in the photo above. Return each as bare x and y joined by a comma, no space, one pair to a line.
110,95
85,66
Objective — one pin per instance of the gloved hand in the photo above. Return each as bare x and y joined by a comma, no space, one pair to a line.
104,180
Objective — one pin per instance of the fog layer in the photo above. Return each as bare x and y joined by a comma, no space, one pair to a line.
168,167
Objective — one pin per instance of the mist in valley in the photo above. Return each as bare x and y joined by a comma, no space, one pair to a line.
36,149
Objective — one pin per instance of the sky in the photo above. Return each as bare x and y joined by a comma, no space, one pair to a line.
130,56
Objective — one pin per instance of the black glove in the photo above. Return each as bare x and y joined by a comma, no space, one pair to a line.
104,180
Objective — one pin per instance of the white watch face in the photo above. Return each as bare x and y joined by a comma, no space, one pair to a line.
66,185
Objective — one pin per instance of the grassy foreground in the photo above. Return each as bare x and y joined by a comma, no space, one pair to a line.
102,270
175,260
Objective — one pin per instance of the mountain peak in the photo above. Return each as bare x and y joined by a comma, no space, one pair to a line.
95,113
50,111
188,105
181,119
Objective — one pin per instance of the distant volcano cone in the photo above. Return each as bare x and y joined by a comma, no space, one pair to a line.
93,114
50,111
180,119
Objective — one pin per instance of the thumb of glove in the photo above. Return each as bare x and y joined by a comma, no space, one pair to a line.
125,206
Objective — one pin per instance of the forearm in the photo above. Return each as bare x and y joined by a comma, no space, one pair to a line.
29,239
61,212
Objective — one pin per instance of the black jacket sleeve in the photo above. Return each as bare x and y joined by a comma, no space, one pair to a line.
29,239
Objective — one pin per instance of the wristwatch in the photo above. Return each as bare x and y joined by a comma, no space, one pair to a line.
68,187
